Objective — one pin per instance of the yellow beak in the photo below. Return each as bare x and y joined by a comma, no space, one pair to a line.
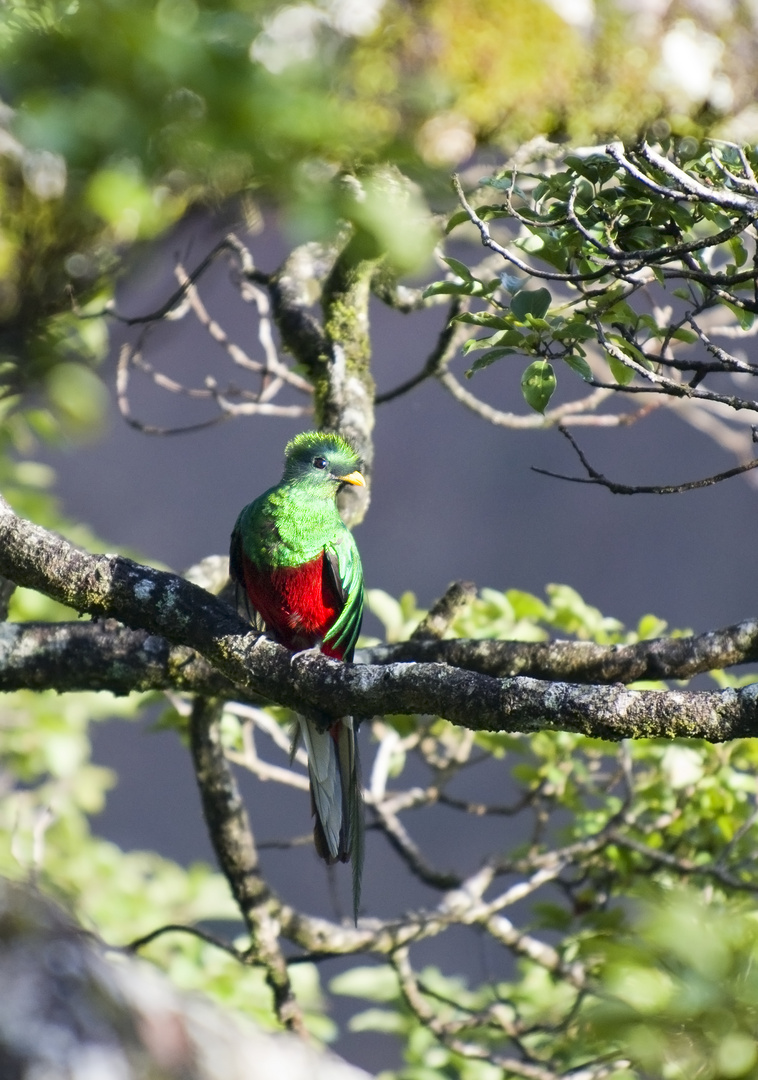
354,478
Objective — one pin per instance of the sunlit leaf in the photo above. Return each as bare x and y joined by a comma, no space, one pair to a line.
538,385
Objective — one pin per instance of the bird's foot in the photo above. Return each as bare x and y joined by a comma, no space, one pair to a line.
312,650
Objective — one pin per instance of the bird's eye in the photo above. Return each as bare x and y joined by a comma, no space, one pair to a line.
320,462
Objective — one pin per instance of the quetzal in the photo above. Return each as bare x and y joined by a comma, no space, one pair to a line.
300,570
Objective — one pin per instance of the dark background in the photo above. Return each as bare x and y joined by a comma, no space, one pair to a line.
452,498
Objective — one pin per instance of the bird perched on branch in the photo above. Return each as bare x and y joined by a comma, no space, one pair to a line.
300,570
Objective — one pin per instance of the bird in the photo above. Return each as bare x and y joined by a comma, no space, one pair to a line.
299,570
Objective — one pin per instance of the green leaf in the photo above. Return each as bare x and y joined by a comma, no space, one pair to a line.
579,365
474,318
457,219
744,318
538,384
684,335
738,250
595,167
504,183
536,303
621,373
384,1020
574,329
512,283
650,626
552,916
621,312
442,288
483,318
526,605
458,268
509,336
555,254
488,358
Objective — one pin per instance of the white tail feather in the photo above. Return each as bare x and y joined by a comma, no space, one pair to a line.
334,772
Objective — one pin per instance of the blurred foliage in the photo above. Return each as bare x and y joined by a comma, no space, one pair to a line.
676,998
119,114
681,984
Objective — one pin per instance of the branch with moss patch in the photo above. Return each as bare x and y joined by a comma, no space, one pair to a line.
163,604
105,655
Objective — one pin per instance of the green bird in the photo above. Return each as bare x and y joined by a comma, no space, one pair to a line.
300,570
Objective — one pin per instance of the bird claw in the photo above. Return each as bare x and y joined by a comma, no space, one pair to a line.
312,650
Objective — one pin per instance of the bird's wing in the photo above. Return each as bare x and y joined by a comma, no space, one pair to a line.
343,564
237,575
237,572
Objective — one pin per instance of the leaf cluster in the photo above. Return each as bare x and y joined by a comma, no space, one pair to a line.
123,115
634,253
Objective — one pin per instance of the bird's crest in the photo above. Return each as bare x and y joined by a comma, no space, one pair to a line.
313,442
312,451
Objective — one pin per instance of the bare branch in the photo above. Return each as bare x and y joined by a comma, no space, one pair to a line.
272,365
163,604
514,260
104,655
176,298
521,421
445,611
595,477
450,339
687,187
179,928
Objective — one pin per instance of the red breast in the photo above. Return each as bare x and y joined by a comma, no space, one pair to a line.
298,604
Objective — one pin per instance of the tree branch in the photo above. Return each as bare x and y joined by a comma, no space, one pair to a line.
161,603
584,661
107,656
232,838
101,655
595,477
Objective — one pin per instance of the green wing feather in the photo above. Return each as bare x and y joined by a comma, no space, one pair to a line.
344,563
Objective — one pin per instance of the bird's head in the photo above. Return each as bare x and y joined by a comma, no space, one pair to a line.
323,461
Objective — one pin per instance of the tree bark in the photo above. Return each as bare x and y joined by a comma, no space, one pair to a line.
162,604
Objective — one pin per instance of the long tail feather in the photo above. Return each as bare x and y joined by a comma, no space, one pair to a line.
350,770
326,789
334,772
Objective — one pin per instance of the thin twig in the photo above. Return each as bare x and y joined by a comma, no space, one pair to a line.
595,477
195,931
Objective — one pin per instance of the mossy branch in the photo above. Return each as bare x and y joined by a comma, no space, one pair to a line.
187,616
